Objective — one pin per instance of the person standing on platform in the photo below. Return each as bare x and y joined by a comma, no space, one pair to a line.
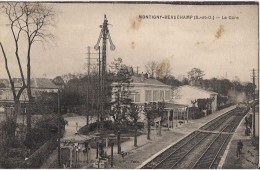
239,148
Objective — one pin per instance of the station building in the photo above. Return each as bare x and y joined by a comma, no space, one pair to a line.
179,103
145,90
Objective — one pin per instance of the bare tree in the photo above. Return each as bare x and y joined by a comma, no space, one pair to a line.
28,22
151,68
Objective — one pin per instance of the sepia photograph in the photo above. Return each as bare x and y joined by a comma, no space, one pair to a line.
129,85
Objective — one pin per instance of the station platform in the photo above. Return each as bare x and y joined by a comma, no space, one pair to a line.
249,158
136,157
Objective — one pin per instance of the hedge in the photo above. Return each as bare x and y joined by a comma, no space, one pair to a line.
225,106
39,156
108,124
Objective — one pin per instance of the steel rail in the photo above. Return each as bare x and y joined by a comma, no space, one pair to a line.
199,142
172,147
189,151
210,145
178,149
215,123
220,148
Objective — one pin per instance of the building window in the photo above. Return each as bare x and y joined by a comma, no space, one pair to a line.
132,97
161,95
167,95
148,95
156,95
137,97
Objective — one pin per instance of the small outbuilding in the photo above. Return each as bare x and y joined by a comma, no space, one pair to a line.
75,151
190,96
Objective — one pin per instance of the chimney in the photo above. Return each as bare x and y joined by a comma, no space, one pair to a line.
142,77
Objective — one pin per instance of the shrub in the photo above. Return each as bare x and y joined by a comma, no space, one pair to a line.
11,163
199,115
225,106
108,124
46,128
40,155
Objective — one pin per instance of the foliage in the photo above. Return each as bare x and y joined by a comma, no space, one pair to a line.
204,104
8,128
85,130
195,76
121,91
199,115
170,80
150,110
45,103
75,94
221,100
121,76
163,69
11,163
2,85
29,22
249,89
40,155
58,81
46,128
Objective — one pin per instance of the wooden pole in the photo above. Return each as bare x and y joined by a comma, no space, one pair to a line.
168,119
112,146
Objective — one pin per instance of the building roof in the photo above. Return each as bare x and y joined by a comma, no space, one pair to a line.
5,82
40,83
43,83
76,138
197,88
147,81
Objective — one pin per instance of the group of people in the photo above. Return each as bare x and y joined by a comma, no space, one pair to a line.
247,133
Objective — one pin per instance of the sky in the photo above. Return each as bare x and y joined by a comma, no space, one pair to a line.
220,47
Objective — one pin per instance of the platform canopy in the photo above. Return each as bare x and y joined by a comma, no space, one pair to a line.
76,138
170,106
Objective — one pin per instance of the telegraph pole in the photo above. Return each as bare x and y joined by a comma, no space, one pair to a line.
59,154
104,35
99,86
254,76
254,103
90,83
88,88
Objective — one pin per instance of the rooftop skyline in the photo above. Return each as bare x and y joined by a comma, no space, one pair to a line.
219,47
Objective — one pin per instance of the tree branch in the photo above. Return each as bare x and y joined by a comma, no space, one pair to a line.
8,72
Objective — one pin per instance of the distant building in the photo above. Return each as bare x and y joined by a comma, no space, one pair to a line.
185,95
37,85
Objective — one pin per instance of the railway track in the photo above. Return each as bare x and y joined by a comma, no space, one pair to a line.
215,123
211,145
210,158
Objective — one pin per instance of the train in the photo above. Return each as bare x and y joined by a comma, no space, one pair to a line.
242,105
